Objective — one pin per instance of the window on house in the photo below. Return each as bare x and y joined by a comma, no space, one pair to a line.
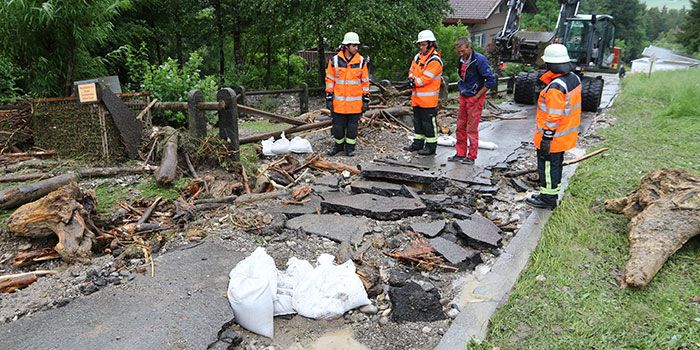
478,40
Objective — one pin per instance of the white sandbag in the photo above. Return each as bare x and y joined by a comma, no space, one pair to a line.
251,290
267,146
299,145
329,290
286,283
446,140
281,146
487,145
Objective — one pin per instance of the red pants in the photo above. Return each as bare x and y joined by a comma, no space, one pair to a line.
468,125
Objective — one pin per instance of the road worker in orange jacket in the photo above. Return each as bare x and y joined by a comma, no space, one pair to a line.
425,77
558,119
347,94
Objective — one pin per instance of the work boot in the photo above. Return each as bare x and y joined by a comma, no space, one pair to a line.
429,149
417,145
349,150
337,148
545,201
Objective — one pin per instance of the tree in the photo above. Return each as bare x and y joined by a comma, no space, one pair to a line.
49,40
690,28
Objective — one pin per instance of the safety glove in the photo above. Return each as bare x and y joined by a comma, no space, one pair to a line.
412,82
329,101
545,144
365,103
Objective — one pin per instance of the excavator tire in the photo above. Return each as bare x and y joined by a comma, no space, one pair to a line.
591,93
526,87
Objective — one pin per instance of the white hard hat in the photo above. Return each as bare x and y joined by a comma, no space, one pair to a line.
425,35
351,38
556,53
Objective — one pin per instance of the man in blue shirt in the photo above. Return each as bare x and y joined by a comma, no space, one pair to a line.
475,78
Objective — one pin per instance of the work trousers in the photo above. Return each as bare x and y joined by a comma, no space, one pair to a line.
468,119
425,124
549,167
344,127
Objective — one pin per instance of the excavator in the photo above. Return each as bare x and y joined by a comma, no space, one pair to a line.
590,40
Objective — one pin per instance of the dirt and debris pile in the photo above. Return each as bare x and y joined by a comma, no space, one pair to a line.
664,213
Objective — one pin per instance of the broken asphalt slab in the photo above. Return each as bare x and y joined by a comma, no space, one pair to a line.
182,307
429,229
375,207
336,227
479,231
454,253
379,188
398,173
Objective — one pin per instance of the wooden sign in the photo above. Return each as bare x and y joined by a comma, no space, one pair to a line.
87,93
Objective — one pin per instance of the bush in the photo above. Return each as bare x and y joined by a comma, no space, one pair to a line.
446,37
9,74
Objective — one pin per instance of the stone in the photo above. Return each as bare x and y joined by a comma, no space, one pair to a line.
369,309
453,253
436,202
375,207
405,174
472,175
429,229
519,185
452,313
378,187
100,282
335,227
410,303
426,329
486,189
383,320
479,231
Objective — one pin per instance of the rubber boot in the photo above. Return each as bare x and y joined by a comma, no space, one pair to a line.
417,145
349,150
545,201
337,148
429,149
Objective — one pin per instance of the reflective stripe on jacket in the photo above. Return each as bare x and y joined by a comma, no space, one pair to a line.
348,81
427,73
559,109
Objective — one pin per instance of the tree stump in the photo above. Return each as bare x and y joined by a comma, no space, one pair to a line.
664,213
65,213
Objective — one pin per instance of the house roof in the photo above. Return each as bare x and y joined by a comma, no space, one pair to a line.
659,53
478,11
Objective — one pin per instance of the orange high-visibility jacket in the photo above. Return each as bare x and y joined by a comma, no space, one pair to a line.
348,81
427,72
559,109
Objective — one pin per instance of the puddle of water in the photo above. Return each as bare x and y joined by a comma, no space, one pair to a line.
338,340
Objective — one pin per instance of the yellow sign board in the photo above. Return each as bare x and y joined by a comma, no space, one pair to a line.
87,93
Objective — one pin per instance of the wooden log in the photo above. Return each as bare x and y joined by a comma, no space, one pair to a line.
10,285
568,162
149,211
36,273
254,197
226,199
27,164
112,171
339,167
27,258
166,172
145,110
269,115
15,196
29,154
25,177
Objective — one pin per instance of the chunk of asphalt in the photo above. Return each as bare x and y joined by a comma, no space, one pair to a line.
335,227
460,214
479,231
411,303
429,229
379,188
375,207
519,185
329,180
313,206
382,172
454,253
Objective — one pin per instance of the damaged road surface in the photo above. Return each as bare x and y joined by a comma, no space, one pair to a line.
415,228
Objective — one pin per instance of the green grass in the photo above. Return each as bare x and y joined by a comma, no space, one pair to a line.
109,196
263,125
583,249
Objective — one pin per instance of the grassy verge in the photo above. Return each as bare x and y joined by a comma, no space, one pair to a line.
568,297
109,195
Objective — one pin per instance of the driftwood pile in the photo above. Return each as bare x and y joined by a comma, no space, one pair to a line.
664,213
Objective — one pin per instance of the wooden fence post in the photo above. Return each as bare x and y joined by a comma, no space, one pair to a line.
304,98
241,95
196,120
228,120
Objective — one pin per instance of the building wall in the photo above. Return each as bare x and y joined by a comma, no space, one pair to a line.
487,32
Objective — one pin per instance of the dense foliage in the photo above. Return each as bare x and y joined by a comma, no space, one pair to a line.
48,44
